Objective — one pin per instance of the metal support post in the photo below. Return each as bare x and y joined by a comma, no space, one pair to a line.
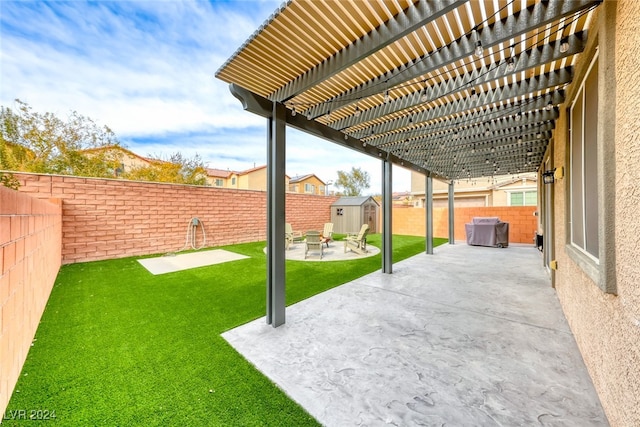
452,235
275,216
428,205
387,200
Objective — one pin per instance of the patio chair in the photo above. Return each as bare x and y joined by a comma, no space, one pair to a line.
327,233
357,242
313,243
290,236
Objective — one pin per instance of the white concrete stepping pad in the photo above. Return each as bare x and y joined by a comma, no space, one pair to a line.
173,263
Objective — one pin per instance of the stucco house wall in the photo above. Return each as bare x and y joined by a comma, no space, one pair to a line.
501,194
218,177
475,193
606,326
128,159
251,179
297,185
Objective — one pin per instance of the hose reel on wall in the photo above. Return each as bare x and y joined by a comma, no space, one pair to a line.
191,237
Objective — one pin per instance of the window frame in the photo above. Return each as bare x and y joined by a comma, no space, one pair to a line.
579,243
524,196
309,188
602,272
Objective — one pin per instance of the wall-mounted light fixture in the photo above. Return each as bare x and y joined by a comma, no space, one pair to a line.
548,176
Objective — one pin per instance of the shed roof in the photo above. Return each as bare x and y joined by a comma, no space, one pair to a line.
353,201
454,88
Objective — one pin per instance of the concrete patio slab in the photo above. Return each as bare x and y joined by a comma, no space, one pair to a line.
172,263
467,336
334,252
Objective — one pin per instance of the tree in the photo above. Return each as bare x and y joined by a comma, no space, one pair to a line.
9,181
353,182
177,169
44,143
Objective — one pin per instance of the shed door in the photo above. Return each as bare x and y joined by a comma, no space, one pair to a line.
370,217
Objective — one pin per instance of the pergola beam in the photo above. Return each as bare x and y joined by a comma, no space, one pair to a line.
469,130
486,74
541,83
410,20
499,32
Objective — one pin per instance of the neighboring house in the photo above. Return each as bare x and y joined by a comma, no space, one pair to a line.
127,159
349,213
250,179
307,184
218,177
520,190
402,199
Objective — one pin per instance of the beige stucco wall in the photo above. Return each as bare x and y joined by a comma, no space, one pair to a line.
131,162
607,326
253,180
461,200
298,187
316,184
127,158
257,180
243,182
501,195
230,181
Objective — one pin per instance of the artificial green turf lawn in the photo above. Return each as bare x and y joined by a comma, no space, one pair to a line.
118,346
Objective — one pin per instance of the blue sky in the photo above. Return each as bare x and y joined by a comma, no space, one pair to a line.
146,69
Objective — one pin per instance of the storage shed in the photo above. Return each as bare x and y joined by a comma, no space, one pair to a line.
349,213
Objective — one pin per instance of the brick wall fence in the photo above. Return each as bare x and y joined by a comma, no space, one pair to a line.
521,219
30,254
109,218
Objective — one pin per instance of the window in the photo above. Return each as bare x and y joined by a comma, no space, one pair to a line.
233,181
219,182
583,115
523,198
321,189
309,188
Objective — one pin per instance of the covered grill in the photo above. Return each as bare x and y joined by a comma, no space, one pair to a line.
487,231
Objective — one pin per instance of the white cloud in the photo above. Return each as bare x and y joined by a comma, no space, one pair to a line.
146,69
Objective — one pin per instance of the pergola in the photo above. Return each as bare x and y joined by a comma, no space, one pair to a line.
453,89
